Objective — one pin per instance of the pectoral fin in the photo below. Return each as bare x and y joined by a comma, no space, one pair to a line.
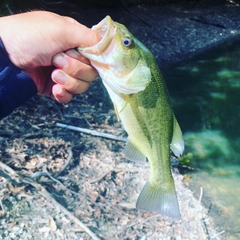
177,144
134,82
132,153
138,79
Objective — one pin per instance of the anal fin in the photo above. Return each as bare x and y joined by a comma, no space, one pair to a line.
133,153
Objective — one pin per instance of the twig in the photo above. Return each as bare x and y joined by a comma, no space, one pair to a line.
49,198
57,108
151,218
1,205
77,117
91,132
136,222
47,174
54,105
201,194
55,175
69,158
217,234
61,184
7,169
33,134
9,174
104,175
130,224
41,190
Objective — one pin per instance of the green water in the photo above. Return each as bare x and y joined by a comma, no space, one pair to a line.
205,94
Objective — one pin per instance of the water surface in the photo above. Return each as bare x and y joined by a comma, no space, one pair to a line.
205,93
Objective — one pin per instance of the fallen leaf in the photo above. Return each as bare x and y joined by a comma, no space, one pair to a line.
127,205
52,225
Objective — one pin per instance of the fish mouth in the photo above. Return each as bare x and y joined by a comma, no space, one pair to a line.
107,31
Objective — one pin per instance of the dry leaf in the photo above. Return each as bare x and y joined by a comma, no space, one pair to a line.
52,225
44,229
127,205
16,190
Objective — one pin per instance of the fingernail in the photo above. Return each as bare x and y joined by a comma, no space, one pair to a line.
59,77
72,53
60,61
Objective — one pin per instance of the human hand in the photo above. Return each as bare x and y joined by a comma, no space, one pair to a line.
41,43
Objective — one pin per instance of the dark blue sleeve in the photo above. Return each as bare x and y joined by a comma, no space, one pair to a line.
16,87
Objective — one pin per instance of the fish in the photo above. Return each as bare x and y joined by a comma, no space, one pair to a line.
141,100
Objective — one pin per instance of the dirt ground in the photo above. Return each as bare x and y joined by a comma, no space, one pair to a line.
61,184
88,176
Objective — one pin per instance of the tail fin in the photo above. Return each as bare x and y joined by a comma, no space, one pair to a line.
158,199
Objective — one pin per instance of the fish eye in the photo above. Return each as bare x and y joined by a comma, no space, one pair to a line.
127,42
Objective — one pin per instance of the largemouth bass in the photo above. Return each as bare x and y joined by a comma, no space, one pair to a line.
133,80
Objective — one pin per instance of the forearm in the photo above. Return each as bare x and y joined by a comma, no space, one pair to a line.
16,87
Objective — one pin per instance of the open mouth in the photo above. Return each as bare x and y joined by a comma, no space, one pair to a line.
107,31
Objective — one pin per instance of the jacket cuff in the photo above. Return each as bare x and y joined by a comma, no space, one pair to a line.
16,87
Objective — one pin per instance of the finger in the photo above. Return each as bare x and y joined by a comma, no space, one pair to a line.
76,55
60,94
72,85
74,67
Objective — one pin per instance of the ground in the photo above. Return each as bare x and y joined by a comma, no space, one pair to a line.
88,175
61,184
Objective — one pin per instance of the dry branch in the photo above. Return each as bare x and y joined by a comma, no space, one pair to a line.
218,234
9,174
201,194
91,132
104,175
48,196
13,177
69,158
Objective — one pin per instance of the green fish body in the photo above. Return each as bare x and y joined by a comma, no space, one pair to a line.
133,80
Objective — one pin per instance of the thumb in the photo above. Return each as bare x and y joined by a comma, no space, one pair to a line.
81,36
